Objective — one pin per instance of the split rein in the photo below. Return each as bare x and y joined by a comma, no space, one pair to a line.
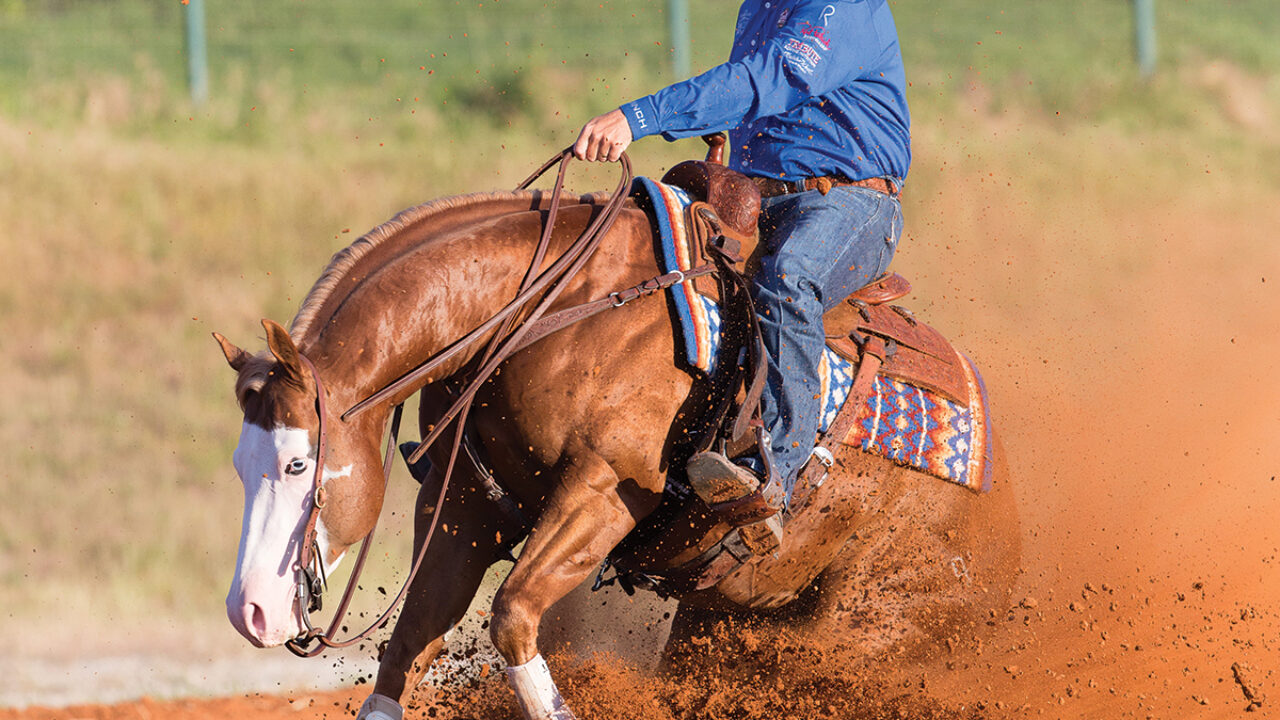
538,292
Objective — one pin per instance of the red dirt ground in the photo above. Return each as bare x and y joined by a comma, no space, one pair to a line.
1137,396
338,704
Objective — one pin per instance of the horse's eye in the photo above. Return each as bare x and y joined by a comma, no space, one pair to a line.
296,466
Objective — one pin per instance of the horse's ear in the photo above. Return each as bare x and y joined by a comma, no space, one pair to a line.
236,357
282,347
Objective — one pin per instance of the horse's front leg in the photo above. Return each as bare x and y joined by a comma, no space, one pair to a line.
583,519
462,548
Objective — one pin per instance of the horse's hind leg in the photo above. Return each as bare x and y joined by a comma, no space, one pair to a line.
582,520
461,550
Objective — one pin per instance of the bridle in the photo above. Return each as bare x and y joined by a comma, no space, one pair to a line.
309,572
509,338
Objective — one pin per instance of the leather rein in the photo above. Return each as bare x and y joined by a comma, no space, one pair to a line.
510,337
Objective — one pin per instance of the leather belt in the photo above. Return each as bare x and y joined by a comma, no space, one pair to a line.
772,187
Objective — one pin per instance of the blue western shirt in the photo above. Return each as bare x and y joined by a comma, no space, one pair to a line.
811,88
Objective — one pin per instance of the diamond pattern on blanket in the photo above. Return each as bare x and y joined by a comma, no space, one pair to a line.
918,428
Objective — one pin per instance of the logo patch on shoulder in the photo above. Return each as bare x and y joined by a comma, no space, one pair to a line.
801,55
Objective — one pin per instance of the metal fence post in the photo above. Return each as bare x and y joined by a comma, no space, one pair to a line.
197,57
1144,20
678,16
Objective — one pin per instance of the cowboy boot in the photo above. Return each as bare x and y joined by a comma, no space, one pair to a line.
717,480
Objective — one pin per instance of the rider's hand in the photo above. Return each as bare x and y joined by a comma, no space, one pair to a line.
603,138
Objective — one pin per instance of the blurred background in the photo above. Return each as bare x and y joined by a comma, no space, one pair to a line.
1096,219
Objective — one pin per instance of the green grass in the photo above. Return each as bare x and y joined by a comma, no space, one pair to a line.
135,224
494,62
336,65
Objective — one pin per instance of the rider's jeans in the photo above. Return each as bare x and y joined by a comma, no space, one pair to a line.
819,250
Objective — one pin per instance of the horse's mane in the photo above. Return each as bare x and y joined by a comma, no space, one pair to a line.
344,260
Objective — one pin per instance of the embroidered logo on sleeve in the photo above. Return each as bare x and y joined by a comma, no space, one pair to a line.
805,52
801,56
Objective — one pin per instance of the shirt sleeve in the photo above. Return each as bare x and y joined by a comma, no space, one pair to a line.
823,45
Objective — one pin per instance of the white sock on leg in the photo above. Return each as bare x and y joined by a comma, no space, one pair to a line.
380,707
536,692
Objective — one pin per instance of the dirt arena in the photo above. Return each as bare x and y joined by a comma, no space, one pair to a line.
1130,353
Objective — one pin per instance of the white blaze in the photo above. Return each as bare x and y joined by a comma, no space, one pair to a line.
277,469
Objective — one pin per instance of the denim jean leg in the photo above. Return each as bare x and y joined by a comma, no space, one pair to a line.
787,303
870,240
819,249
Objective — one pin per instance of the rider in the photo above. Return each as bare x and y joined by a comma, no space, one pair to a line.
814,99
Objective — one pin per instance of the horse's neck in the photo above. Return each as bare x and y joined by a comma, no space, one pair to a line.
409,309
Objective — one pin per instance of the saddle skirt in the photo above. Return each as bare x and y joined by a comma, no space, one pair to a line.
927,408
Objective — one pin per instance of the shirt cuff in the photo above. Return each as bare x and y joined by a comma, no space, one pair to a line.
642,116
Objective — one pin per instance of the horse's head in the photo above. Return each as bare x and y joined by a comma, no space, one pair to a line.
276,461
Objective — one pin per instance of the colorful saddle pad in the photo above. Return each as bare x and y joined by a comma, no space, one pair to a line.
698,317
908,424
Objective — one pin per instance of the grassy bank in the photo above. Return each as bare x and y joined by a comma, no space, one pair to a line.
326,76
135,224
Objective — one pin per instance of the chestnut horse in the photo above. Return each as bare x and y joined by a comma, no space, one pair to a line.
580,428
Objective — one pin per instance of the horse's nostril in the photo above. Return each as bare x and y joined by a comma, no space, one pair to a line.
254,620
